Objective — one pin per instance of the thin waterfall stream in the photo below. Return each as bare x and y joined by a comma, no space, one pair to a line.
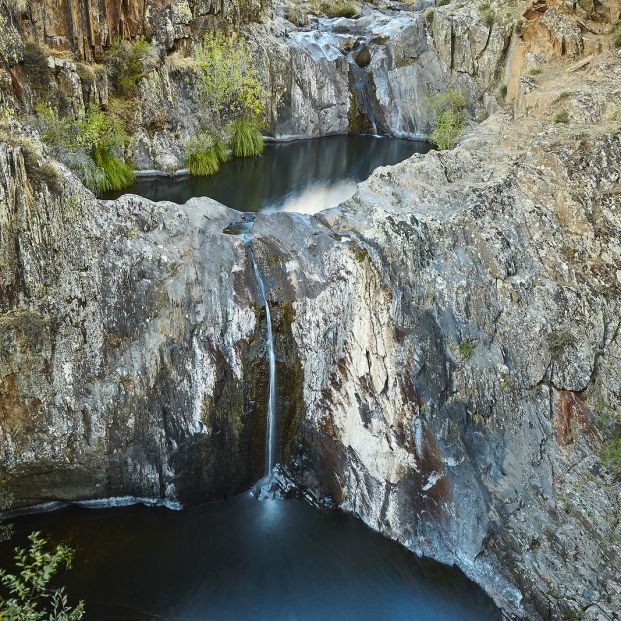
270,432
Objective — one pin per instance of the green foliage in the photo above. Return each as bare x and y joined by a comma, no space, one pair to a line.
562,96
442,2
608,421
87,146
246,139
28,595
562,117
228,86
487,13
128,63
204,153
340,8
428,14
535,71
450,120
117,174
467,348
518,26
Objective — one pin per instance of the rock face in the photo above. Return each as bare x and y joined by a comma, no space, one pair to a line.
458,328
132,365
315,79
446,339
374,72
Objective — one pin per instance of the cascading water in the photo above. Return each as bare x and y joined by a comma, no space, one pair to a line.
363,87
264,485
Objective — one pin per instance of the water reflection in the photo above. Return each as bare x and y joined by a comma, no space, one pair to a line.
304,176
244,560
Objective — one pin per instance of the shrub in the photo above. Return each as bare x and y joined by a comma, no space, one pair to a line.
449,118
562,96
28,595
518,26
562,117
228,86
246,139
535,71
36,67
340,8
128,63
608,421
87,146
204,153
487,13
467,348
428,14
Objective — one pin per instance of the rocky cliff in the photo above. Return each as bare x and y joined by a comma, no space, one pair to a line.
325,76
446,340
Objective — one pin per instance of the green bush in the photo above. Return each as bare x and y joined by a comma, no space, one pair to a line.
608,422
101,134
128,63
87,146
227,85
204,153
449,118
487,13
246,139
562,117
340,8
36,68
28,595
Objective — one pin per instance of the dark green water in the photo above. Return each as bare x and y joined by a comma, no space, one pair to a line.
245,560
304,176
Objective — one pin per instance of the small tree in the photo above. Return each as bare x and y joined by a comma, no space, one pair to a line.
28,594
228,86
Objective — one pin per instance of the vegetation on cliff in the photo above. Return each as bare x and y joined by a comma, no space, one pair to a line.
28,594
91,146
230,95
449,123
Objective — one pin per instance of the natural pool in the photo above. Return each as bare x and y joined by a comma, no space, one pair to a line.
245,560
304,176
241,559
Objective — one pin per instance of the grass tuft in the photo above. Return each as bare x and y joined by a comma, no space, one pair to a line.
246,139
117,174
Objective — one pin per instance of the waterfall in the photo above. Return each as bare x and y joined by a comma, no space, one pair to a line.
270,435
363,87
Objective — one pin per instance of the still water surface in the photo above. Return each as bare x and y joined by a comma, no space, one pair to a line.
304,176
245,560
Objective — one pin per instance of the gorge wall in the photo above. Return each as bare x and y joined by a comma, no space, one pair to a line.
327,76
445,339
